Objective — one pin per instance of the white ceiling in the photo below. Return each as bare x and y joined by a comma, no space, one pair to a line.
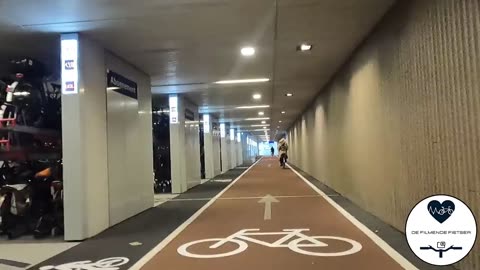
185,45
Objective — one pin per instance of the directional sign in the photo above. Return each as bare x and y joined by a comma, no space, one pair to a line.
268,200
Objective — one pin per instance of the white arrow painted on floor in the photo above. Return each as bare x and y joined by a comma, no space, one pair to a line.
268,200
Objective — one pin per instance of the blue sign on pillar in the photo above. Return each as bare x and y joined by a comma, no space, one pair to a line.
173,105
69,58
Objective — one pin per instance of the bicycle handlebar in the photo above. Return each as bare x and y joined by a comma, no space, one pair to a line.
440,250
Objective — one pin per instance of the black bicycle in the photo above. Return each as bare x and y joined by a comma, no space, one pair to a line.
283,160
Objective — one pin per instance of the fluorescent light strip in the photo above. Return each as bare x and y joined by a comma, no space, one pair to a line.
253,107
257,119
242,81
264,125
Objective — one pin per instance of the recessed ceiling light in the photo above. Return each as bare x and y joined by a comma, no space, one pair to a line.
247,51
243,81
279,121
263,122
264,127
288,94
257,96
257,119
278,126
304,47
284,112
253,107
261,113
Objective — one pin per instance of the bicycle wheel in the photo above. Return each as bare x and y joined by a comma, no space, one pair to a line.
296,246
183,249
112,262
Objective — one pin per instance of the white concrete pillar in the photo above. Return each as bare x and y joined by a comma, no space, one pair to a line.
233,149
209,151
216,150
225,148
239,149
177,144
101,130
84,128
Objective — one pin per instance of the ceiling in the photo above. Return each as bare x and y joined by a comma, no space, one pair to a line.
186,45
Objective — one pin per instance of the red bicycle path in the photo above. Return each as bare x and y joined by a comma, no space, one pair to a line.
299,206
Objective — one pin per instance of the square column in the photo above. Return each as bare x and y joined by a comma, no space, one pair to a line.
102,126
208,146
225,148
84,139
233,149
177,144
239,149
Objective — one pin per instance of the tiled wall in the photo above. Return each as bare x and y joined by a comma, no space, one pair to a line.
401,120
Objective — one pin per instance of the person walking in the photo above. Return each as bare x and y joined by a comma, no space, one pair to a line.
272,150
283,151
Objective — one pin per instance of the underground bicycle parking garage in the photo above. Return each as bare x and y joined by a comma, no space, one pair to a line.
262,134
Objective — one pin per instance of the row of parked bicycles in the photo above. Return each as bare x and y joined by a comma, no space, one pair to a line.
161,152
31,189
29,97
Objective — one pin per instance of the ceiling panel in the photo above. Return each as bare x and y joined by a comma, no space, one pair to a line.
185,45
62,12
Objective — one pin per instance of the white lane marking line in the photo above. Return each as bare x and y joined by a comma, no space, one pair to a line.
145,259
406,264
254,198
222,180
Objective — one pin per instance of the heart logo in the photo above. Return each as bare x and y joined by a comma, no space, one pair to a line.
441,211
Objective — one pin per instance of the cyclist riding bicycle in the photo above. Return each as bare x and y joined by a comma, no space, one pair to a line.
282,151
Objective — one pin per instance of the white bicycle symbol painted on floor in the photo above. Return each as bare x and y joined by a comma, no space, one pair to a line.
294,239
106,264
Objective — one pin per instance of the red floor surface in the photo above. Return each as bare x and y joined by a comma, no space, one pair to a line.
300,231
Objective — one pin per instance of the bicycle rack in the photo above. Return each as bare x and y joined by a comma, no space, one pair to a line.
5,143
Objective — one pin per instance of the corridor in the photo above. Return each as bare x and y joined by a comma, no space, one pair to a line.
147,134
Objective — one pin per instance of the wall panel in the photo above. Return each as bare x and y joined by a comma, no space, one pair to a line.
401,120
130,152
